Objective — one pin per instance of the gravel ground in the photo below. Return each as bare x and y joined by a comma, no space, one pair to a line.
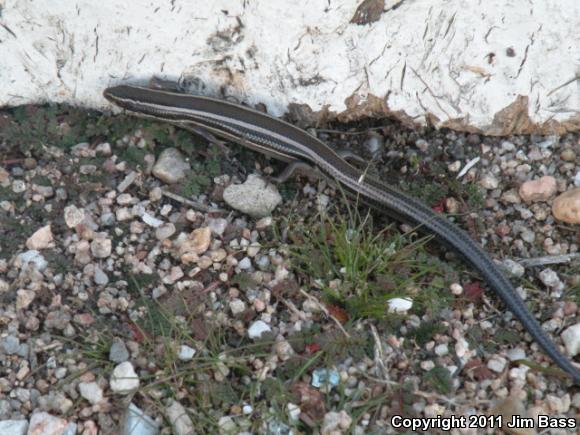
147,288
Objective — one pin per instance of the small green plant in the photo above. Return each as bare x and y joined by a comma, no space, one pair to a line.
440,379
357,266
425,332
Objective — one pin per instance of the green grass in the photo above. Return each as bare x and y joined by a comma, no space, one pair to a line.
360,267
434,192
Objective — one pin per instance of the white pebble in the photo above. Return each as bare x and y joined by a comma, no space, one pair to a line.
237,306
571,338
456,289
257,329
497,364
186,353
124,379
400,305
516,354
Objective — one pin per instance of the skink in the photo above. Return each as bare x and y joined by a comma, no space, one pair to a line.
284,141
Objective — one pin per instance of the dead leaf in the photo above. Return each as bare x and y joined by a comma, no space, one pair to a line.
368,12
199,329
338,313
473,291
311,401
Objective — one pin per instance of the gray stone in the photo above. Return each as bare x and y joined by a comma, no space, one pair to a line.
138,423
100,277
217,225
44,423
179,419
118,352
13,427
171,166
513,268
255,197
10,344
91,392
5,409
33,256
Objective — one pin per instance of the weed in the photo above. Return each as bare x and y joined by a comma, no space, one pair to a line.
425,332
440,379
361,268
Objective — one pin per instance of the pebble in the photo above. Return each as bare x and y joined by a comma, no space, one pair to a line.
13,427
217,225
513,268
124,380
489,181
400,305
322,377
171,166
508,146
283,350
200,239
136,422
237,306
516,354
293,412
441,349
335,423
152,221
228,426
375,142
10,345
511,197
41,239
452,205
568,155
455,166
497,364
456,289
245,263
550,279
18,186
101,247
264,223
91,391
73,216
42,423
5,409
422,144
118,352
558,405
186,353
541,189
258,328
165,231
566,207
33,256
571,338
100,276
24,298
103,149
549,142
528,236
254,197
179,419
